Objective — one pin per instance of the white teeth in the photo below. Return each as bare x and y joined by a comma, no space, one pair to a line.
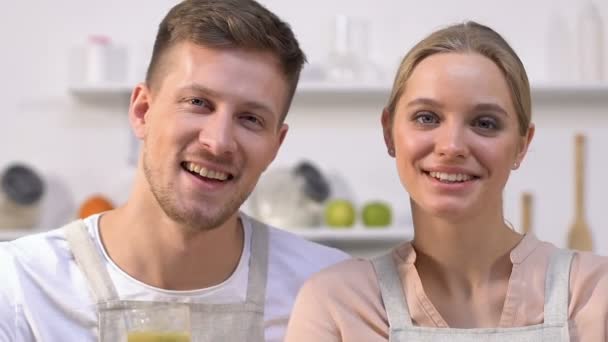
450,177
204,172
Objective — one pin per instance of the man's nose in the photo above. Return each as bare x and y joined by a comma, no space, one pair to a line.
217,133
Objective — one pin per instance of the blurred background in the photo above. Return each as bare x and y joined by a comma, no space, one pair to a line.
68,68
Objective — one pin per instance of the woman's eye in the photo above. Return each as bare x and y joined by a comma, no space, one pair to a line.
486,124
426,118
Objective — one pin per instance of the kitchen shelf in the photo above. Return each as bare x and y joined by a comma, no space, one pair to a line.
103,92
305,89
572,91
352,235
333,88
540,91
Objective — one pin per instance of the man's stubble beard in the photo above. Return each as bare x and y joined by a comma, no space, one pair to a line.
198,220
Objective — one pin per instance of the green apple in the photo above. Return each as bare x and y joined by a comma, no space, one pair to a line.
339,213
376,214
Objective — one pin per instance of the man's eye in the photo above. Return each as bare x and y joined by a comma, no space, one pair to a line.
198,102
252,120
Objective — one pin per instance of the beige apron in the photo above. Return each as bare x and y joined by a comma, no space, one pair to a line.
243,321
553,329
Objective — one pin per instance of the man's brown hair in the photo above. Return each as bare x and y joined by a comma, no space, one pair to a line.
228,24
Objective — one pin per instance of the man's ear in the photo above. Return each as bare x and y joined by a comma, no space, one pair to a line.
138,109
387,129
283,133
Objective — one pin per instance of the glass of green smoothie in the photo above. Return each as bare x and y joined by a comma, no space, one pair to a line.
168,322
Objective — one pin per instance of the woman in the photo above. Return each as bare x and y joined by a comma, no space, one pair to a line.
458,122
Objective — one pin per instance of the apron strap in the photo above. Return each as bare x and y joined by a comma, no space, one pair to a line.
258,262
557,287
88,259
391,291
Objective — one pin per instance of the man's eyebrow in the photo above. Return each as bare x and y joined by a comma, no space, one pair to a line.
201,89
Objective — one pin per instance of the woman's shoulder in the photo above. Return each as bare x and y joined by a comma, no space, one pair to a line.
589,275
586,262
536,253
587,270
340,303
350,274
346,286
588,307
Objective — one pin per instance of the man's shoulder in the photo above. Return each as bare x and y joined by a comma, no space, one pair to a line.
300,256
36,244
33,257
40,253
294,246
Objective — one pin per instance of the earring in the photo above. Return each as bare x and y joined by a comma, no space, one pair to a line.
515,166
391,152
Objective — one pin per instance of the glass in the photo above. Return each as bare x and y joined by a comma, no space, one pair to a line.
343,59
159,323
351,55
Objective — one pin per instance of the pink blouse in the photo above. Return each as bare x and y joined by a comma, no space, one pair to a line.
342,303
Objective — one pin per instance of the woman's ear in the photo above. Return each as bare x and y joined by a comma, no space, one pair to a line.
523,145
138,109
387,129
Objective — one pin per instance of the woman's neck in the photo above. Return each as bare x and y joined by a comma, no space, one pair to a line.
467,246
464,264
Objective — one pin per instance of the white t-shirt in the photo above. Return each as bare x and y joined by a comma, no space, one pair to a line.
41,286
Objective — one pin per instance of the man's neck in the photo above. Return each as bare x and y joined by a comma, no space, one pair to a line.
162,253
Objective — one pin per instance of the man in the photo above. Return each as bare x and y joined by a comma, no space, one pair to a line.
210,116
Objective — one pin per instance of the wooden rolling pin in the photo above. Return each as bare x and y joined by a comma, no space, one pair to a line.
579,236
526,212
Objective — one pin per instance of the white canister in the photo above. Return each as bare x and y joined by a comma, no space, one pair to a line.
99,61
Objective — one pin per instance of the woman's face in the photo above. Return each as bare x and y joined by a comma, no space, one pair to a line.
455,135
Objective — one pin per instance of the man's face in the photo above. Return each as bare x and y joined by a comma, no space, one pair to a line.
210,128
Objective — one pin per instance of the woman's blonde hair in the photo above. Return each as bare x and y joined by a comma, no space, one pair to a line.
470,37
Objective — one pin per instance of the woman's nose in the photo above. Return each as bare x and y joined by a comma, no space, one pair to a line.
451,142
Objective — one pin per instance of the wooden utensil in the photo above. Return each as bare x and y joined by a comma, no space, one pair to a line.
526,212
579,236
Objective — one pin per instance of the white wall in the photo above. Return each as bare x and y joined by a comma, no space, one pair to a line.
85,145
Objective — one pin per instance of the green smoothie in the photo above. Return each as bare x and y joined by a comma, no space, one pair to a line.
153,336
